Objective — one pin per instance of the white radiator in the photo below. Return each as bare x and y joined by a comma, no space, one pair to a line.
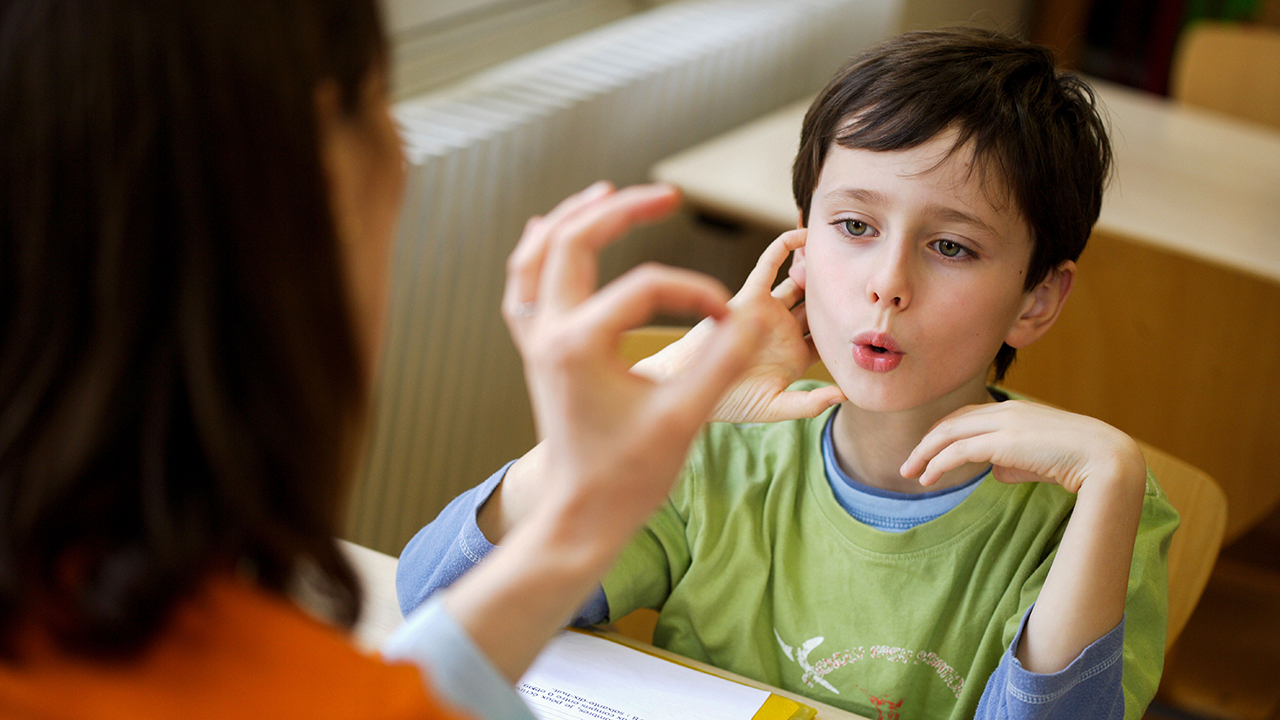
451,406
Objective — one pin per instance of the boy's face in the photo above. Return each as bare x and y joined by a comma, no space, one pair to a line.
913,279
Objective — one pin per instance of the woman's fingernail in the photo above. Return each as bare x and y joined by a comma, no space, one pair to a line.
597,188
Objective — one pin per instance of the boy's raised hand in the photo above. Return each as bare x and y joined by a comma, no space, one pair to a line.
760,394
1026,442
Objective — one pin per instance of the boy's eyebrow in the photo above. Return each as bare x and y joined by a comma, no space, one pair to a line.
952,215
941,212
862,195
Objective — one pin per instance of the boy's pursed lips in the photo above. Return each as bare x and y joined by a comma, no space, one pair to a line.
876,351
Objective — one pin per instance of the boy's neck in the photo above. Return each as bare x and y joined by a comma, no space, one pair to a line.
871,446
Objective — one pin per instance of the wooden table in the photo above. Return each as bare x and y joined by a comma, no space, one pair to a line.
381,614
381,618
1173,329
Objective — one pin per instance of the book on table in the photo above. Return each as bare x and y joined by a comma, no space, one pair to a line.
585,676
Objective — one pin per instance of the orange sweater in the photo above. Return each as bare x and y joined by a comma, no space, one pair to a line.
233,652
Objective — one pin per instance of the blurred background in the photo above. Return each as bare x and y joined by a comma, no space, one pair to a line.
1132,42
507,106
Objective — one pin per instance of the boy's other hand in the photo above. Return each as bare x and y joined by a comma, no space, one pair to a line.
1028,442
760,394
1083,596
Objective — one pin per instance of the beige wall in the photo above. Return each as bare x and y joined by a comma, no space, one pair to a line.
1008,15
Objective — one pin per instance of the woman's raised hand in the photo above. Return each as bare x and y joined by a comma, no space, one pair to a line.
612,442
605,431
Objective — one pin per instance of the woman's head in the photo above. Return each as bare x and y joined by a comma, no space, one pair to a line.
180,377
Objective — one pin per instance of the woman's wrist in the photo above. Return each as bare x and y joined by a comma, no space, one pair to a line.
531,585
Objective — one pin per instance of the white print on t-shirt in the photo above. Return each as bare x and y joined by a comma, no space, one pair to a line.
816,672
801,656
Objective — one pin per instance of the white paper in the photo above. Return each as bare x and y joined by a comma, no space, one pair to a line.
581,677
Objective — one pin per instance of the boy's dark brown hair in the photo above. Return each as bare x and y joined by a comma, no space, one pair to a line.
1035,131
179,373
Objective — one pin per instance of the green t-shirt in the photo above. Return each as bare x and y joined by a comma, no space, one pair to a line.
755,568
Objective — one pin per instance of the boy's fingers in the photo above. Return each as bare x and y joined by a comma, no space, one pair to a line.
795,271
976,449
984,448
788,293
1014,475
770,261
807,403
569,275
801,314
829,395
954,429
734,340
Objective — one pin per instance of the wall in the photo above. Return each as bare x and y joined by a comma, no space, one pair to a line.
1008,15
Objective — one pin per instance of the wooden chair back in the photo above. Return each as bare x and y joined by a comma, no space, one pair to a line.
1231,68
1197,498
1194,548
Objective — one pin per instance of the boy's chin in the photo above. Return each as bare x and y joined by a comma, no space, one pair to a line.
880,397
876,395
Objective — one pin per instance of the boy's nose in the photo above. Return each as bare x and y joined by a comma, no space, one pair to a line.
890,283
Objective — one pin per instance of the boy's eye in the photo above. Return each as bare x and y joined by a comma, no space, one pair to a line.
950,249
856,228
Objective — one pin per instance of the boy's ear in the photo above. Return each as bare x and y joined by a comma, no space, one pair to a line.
796,269
1041,306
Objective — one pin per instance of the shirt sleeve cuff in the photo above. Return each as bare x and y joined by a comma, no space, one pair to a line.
594,611
446,548
474,545
1100,658
453,666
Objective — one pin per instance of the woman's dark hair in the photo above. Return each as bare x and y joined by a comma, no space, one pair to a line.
179,376
1033,129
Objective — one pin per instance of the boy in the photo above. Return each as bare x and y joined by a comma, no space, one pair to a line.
927,548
